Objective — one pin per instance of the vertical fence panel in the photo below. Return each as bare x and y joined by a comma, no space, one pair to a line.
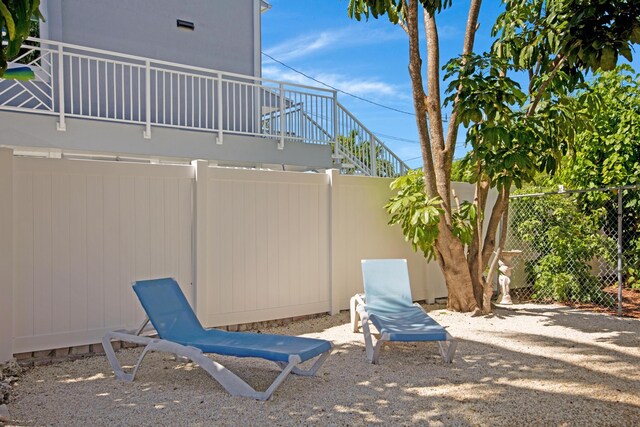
264,245
84,231
62,251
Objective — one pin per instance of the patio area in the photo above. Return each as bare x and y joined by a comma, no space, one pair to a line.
527,365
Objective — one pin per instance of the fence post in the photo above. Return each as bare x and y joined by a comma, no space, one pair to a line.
61,125
147,99
336,294
220,127
373,167
620,251
6,254
200,193
283,121
336,143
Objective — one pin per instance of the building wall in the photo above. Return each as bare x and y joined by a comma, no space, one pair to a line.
224,37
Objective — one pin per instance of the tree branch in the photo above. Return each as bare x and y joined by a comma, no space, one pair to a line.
415,71
560,60
434,111
494,221
494,264
401,22
467,48
474,260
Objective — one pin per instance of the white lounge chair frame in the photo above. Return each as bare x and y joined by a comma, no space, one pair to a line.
359,314
232,383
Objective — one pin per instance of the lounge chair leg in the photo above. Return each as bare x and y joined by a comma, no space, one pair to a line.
368,341
354,314
307,372
111,355
448,348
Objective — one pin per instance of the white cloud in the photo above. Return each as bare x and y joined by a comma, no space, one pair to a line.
302,46
362,86
327,40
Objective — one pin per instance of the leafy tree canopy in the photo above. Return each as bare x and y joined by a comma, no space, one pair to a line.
607,153
394,9
589,34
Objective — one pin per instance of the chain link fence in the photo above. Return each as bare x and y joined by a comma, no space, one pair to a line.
578,246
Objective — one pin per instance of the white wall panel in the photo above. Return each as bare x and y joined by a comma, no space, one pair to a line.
84,231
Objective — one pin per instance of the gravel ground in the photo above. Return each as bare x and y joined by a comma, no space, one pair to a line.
528,365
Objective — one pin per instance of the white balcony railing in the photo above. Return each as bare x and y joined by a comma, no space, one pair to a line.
82,82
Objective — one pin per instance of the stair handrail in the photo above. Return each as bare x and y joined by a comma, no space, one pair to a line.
377,143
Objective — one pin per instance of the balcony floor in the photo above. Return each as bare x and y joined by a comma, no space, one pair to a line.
90,136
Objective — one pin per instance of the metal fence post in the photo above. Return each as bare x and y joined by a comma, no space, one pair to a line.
336,143
219,139
147,99
373,167
283,123
620,251
61,125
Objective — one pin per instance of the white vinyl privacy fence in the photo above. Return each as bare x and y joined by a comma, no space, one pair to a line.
245,245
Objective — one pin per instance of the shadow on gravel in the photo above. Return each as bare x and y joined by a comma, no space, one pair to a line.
489,383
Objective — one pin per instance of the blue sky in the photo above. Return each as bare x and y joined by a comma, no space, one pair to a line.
368,59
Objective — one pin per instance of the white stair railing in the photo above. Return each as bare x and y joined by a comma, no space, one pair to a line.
360,147
77,81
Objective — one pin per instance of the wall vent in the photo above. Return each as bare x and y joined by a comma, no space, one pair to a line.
186,25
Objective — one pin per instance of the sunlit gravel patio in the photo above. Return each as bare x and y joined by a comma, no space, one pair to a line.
529,365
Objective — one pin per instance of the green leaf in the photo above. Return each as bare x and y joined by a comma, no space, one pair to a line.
8,19
608,58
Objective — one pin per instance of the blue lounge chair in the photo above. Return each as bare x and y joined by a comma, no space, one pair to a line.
387,304
180,332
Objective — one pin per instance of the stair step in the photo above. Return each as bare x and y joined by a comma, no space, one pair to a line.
337,156
348,166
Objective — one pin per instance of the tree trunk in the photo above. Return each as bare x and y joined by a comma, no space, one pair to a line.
474,258
486,305
436,156
453,264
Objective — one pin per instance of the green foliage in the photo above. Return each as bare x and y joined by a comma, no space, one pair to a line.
15,23
567,241
514,134
419,215
460,172
589,34
607,154
393,9
508,146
